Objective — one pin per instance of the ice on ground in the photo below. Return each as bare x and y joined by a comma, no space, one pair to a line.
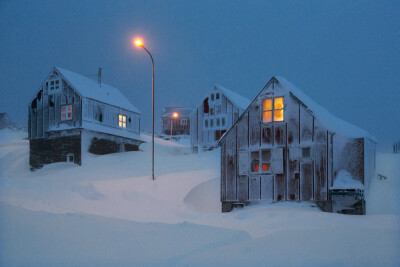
110,211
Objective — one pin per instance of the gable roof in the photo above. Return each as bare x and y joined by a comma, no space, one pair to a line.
332,123
328,120
235,98
91,89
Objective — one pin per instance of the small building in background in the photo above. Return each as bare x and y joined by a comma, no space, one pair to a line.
178,118
396,148
285,147
71,114
214,115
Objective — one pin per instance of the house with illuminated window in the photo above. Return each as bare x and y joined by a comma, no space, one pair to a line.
71,114
215,114
286,147
176,120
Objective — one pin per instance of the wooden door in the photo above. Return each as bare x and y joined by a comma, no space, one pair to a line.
306,180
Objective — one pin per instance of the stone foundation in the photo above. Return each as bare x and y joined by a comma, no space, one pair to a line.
50,150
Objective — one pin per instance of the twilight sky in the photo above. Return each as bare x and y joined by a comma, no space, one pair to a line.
344,54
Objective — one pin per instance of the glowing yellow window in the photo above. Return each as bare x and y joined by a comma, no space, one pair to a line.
122,121
273,109
267,110
278,109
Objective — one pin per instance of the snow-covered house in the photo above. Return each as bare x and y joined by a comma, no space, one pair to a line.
286,147
71,114
396,148
176,119
216,113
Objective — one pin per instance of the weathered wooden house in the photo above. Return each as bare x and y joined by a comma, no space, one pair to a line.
71,114
176,119
396,148
285,147
216,113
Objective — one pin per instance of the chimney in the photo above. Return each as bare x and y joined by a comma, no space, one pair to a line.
99,76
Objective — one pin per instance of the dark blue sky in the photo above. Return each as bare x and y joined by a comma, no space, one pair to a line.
343,54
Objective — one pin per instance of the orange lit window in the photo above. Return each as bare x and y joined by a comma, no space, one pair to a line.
273,109
261,161
255,161
122,121
266,167
266,160
66,113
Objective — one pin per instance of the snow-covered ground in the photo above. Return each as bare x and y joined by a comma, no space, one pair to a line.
109,212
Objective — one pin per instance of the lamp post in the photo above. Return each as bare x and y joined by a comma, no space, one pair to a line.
174,116
139,43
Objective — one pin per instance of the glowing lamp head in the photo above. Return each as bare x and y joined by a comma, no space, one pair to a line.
175,115
138,42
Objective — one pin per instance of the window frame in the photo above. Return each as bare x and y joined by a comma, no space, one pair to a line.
184,121
66,112
122,122
261,162
273,109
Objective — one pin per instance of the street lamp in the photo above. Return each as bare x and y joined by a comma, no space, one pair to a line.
139,43
174,116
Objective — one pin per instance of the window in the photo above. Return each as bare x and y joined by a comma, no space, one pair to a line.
218,109
255,161
122,121
212,97
211,111
219,134
306,152
223,121
66,113
205,106
217,96
273,109
54,84
206,123
266,160
218,121
183,121
211,123
265,165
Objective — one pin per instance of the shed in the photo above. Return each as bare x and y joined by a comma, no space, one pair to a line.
214,115
71,114
286,147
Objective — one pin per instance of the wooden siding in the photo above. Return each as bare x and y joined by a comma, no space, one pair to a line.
223,109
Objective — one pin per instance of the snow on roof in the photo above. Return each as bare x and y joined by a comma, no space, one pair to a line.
333,123
344,180
235,98
183,112
110,130
91,89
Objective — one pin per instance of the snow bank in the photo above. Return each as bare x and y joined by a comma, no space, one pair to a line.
205,197
383,195
109,212
44,239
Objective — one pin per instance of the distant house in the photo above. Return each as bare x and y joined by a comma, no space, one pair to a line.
285,147
71,114
396,148
177,119
214,115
